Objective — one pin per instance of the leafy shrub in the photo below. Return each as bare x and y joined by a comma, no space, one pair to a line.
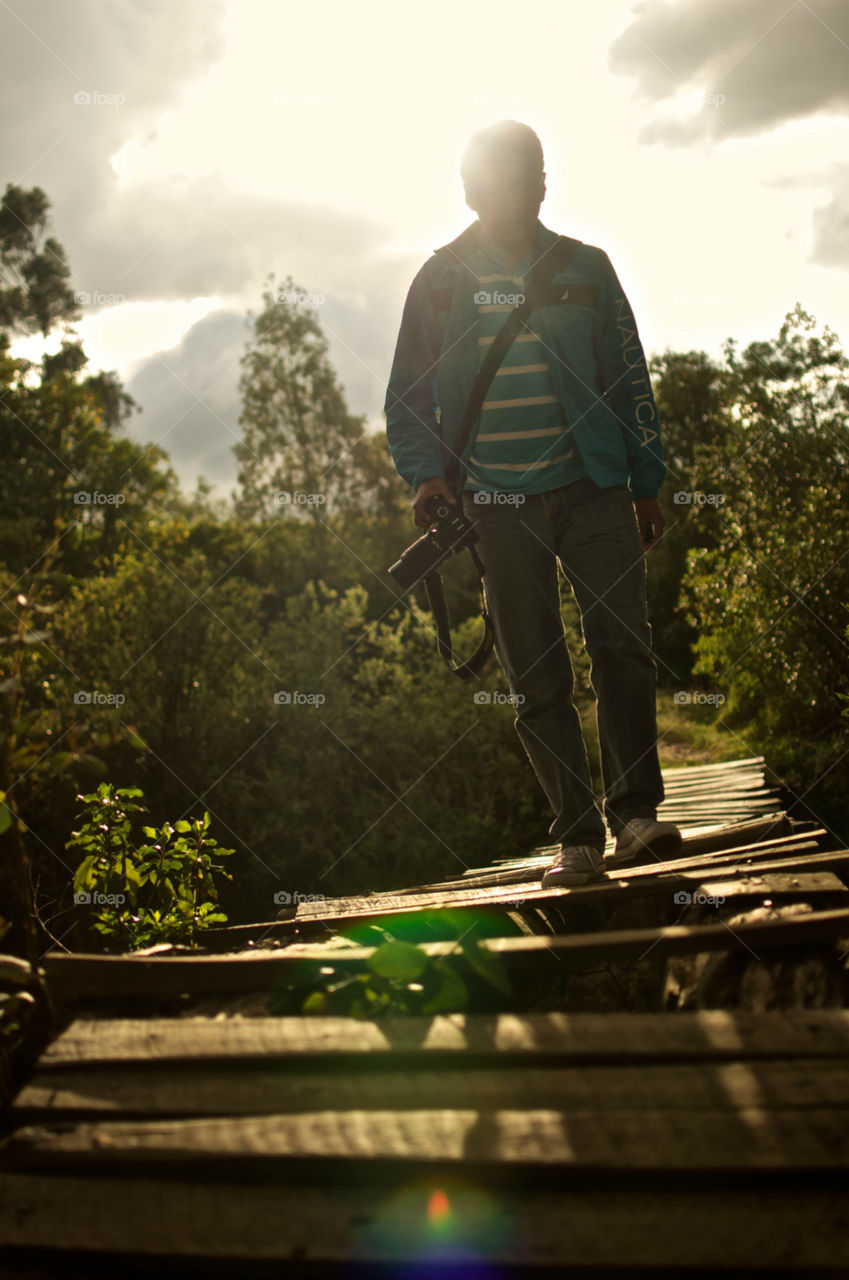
161,891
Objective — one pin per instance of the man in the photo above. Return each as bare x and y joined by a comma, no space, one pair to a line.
568,419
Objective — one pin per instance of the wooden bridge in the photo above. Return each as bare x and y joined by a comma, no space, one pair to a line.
683,1102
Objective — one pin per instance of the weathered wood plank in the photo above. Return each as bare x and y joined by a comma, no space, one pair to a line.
756,857
686,766
638,881
15,972
709,841
551,1037
276,1223
755,763
525,871
75,976
750,1138
147,1091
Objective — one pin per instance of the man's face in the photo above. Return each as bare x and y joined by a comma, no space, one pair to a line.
506,196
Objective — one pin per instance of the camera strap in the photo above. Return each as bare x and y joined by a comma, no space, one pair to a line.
438,607
556,259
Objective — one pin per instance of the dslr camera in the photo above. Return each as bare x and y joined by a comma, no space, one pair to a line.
449,532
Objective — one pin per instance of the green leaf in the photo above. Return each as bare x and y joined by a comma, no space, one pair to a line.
489,965
182,825
399,960
451,995
5,817
85,875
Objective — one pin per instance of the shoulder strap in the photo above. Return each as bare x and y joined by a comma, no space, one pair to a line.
554,260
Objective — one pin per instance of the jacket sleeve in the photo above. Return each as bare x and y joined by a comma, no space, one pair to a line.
626,385
412,427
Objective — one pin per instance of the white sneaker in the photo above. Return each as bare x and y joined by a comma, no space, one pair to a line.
574,864
645,840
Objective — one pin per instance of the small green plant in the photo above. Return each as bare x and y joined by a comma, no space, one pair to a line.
163,891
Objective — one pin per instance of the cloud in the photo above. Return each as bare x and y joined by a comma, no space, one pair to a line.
174,238
831,225
754,67
756,64
190,402
181,237
189,395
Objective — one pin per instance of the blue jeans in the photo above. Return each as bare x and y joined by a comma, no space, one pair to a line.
593,533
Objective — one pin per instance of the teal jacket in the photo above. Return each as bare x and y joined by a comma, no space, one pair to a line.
595,356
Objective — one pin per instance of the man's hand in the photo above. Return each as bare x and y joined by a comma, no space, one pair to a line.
650,520
426,490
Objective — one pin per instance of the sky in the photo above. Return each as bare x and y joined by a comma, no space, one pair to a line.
191,147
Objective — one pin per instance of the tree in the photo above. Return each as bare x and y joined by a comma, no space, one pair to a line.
34,294
299,438
768,597
66,473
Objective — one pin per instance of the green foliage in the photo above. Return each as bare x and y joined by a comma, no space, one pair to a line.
135,895
198,619
768,597
397,979
298,437
34,294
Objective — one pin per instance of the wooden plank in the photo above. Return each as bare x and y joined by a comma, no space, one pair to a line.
336,911
15,972
538,856
730,836
802,886
145,1091
75,976
753,763
752,858
773,855
752,778
707,1035
616,887
525,871
749,1138
274,1223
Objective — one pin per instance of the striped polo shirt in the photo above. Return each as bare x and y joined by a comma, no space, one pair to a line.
524,444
